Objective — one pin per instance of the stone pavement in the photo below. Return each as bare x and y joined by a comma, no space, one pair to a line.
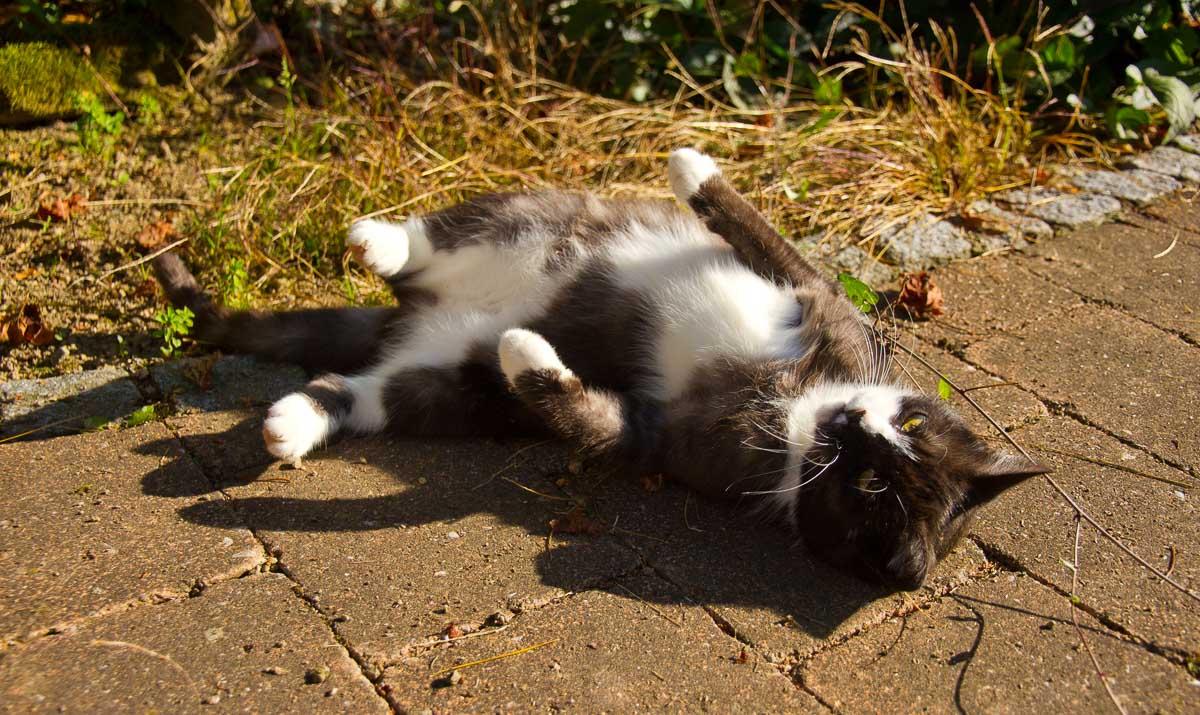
173,567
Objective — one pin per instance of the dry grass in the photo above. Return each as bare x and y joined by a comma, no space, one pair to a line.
386,145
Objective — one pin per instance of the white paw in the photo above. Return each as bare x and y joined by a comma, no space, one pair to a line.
382,247
294,425
688,169
522,350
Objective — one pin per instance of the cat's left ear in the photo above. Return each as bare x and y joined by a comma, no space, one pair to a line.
1001,473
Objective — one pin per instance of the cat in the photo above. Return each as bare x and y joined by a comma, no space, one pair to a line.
697,344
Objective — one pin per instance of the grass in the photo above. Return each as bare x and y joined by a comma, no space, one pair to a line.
382,143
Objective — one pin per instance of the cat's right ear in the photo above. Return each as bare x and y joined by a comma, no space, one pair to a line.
1001,473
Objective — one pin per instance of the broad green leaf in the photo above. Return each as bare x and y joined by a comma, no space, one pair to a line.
94,423
1176,99
859,293
1059,54
944,389
1125,123
828,91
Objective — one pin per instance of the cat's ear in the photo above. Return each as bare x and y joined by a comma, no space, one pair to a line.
1000,473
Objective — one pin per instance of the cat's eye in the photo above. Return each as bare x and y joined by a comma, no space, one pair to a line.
913,422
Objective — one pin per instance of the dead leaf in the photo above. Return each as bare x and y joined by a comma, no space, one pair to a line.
156,235
26,327
60,209
26,272
146,288
652,483
577,521
452,631
742,658
920,296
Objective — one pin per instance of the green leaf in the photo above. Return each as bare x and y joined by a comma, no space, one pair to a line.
141,416
1059,54
747,65
91,424
1176,99
944,389
859,293
828,91
1126,123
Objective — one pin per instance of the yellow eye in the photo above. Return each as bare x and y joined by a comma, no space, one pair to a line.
912,423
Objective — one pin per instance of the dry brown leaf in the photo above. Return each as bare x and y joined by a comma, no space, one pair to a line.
577,521
24,273
920,296
146,288
452,631
156,235
26,327
652,483
61,209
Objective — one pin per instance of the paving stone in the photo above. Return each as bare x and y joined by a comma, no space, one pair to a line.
991,296
750,569
923,243
1152,514
1004,646
227,444
243,645
1128,377
1168,160
1117,265
106,393
89,522
405,537
608,652
1071,210
1136,185
1011,223
231,382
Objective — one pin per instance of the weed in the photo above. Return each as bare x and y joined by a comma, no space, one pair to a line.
149,111
141,416
235,284
176,324
97,128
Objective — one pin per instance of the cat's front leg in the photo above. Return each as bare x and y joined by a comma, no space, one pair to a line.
602,423
303,420
390,250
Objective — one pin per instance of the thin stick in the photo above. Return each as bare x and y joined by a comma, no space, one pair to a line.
481,661
1075,620
439,641
631,592
35,430
1051,481
138,262
146,202
1168,248
1114,465
531,490
989,386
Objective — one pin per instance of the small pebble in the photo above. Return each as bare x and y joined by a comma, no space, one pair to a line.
453,535
331,692
316,675
210,700
275,670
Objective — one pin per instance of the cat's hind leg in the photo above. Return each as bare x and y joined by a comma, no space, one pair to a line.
390,250
303,420
602,423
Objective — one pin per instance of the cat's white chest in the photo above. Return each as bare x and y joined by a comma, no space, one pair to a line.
707,306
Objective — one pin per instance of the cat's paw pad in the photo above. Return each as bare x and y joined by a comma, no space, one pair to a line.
523,350
294,425
687,170
381,247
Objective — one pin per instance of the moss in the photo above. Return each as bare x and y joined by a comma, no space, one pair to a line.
38,80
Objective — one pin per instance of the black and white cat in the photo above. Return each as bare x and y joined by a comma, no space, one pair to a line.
695,344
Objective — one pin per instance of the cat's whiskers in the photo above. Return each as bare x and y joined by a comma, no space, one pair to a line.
794,487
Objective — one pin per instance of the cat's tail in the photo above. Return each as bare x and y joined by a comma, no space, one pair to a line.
697,182
341,340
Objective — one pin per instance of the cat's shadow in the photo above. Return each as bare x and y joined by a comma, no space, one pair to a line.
715,553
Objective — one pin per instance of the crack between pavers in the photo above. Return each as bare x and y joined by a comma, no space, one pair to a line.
1118,307
1064,409
274,563
1012,563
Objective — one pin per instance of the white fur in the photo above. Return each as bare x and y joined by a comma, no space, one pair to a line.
687,170
711,305
805,414
522,350
294,425
388,249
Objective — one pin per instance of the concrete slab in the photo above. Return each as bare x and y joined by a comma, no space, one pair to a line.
230,382
1005,646
750,570
1125,266
242,646
89,523
607,652
67,402
1036,527
402,538
1128,377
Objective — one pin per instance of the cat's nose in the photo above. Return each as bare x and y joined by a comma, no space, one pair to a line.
847,417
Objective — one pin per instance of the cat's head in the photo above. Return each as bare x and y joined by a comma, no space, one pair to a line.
884,482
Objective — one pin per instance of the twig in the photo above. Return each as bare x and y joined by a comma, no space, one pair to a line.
1051,481
136,263
989,386
439,641
651,606
1168,248
1075,620
509,654
509,462
531,490
146,202
35,430
1113,465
